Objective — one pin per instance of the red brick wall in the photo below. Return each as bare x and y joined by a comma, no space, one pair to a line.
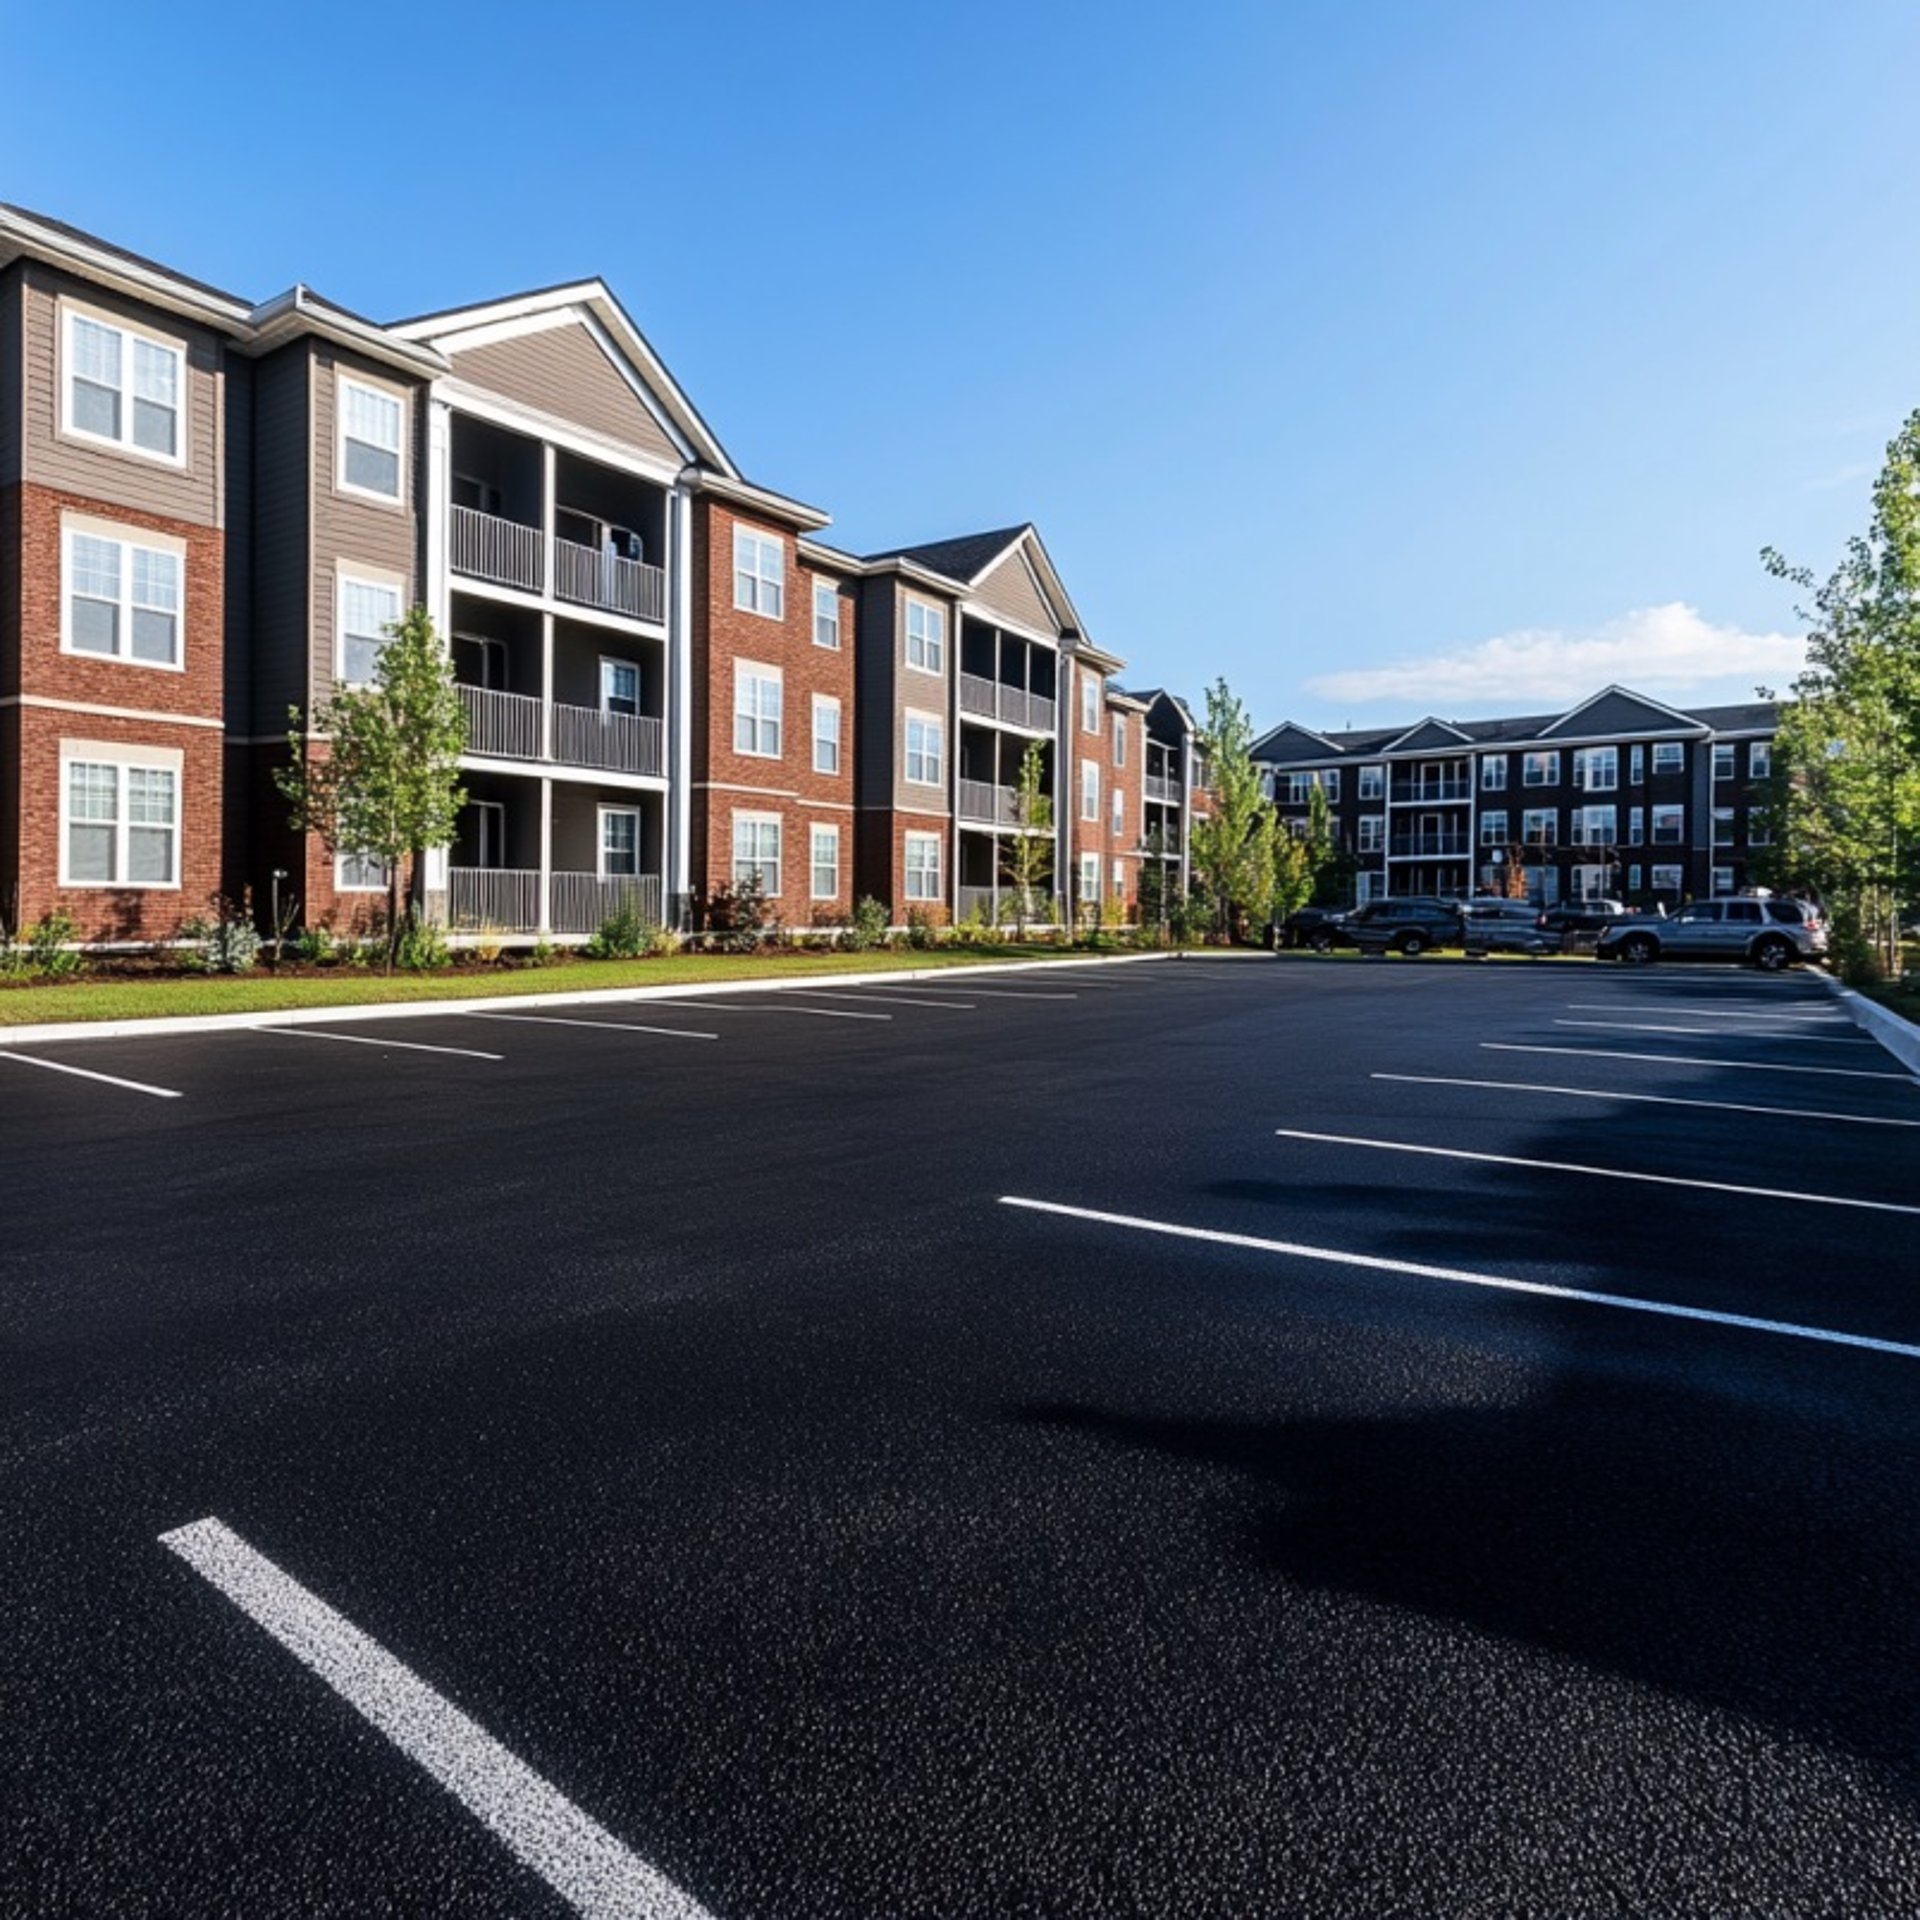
788,787
883,861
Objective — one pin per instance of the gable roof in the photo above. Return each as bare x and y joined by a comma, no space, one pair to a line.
965,558
1619,711
1273,738
1428,733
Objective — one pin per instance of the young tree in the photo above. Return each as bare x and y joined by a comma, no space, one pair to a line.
1026,856
388,786
1845,794
1232,843
1295,873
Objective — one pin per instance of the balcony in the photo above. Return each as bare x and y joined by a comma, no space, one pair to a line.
1429,846
1161,787
1423,793
486,547
513,726
982,800
483,546
993,700
507,899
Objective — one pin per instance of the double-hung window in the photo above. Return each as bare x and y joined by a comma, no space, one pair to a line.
619,686
1493,827
1089,878
759,574
122,823
1595,826
756,851
619,842
1760,760
1723,826
359,873
923,866
826,615
1669,826
1759,827
1119,739
926,750
756,710
1089,703
1637,765
1373,832
1668,879
826,734
124,387
1669,756
1118,812
122,599
1722,763
1330,785
1089,790
372,428
823,848
926,637
1540,769
1540,826
1596,769
1373,781
368,608
1493,773
1636,826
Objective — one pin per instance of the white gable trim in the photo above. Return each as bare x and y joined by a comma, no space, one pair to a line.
1285,726
1432,720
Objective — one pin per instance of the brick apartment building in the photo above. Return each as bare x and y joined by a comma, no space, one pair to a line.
1620,797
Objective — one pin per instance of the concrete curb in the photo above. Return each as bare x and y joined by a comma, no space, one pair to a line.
506,1002
1901,1038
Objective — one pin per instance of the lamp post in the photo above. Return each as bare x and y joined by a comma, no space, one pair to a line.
279,874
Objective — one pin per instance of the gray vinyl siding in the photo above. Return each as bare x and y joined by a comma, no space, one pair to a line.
564,372
10,375
1616,716
282,539
1010,590
194,492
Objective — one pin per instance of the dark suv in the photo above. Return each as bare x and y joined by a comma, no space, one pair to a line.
1408,926
1315,927
1762,931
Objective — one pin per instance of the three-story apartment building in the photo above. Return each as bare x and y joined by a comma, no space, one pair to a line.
1620,796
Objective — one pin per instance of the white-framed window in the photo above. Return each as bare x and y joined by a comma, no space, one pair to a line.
1759,828
756,710
1119,739
1596,769
1722,762
1300,786
1540,769
1330,784
1373,782
1722,881
619,842
926,637
826,734
619,685
923,866
1669,756
826,615
1668,879
1089,877
372,433
124,388
1540,826
1368,886
1595,826
1635,877
123,597
1373,832
1117,812
1119,876
1089,703
368,608
1493,773
756,850
1723,826
926,750
1669,826
1636,766
1493,827
119,818
823,850
1089,789
1590,882
359,873
1759,759
759,573
1636,826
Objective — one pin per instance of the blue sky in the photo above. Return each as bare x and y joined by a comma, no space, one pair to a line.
1384,359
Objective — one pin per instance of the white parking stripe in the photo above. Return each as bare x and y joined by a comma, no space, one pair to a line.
87,1073
1694,1060
608,1026
367,1040
1717,1033
1461,1277
1809,1016
767,1004
1598,1173
1650,1099
575,1855
1022,993
904,999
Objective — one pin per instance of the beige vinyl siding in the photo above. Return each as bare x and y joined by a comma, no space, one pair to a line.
1010,590
116,478
564,371
927,693
10,298
282,546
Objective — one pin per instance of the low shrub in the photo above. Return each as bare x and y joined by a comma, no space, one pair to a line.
923,931
50,946
868,928
625,934
487,946
736,916
422,945
225,940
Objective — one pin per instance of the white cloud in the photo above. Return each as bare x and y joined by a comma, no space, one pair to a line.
1668,651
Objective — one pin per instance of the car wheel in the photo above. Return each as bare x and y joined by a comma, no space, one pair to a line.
1320,942
1637,949
1773,954
1413,945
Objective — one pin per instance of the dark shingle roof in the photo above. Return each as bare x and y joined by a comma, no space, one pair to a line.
1750,713
122,253
961,558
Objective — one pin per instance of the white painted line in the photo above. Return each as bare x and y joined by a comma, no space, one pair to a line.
607,1026
367,1040
1460,1277
575,1855
1812,1015
778,1006
1598,1173
1650,1099
87,1073
1717,1033
1694,1060
1021,993
903,999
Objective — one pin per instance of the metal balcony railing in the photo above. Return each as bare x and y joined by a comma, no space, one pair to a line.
617,742
592,577
982,800
506,725
580,902
1429,846
1160,786
504,899
1415,793
992,700
487,547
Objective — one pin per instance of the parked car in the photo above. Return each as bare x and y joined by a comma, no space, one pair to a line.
1411,925
1315,927
1760,931
1581,916
1505,926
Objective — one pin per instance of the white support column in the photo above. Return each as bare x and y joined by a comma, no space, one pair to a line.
677,877
436,590
546,857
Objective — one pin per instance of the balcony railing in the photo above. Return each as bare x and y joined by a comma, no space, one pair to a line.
1429,846
1417,793
592,577
1160,786
506,725
992,700
617,742
490,548
982,800
504,899
580,902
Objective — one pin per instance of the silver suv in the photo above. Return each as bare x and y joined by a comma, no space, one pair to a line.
1764,932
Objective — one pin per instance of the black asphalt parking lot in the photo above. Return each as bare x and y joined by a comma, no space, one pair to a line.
824,1536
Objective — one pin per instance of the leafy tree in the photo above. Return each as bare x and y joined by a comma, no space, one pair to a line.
1232,843
1026,857
1844,802
1294,872
388,786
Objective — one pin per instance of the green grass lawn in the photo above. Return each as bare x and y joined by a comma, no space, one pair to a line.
105,997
